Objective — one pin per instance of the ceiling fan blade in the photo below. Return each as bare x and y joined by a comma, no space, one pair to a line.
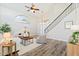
28,10
33,5
36,9
27,6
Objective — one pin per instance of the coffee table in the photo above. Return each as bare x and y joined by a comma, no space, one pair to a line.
26,38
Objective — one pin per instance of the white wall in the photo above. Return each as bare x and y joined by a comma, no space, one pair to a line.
60,32
8,16
49,14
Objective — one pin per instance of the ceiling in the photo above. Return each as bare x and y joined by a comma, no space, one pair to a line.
50,10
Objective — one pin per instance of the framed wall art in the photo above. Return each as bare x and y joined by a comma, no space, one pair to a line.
68,24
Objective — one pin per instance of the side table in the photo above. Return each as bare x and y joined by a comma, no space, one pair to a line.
72,50
9,46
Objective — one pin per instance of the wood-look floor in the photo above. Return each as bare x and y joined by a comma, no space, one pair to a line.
52,48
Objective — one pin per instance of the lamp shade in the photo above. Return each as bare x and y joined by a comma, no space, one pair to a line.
75,27
7,37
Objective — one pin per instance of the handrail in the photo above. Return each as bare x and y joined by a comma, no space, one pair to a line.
59,18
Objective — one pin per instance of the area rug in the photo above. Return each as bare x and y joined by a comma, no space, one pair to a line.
51,48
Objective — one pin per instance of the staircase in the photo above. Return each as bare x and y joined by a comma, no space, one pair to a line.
55,22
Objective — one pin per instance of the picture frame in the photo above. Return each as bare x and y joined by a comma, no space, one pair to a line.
68,24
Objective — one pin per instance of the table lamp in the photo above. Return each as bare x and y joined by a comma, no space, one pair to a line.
75,28
7,37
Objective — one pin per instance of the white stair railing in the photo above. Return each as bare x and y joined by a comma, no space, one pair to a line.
67,11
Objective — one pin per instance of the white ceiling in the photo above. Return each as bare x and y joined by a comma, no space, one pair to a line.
50,10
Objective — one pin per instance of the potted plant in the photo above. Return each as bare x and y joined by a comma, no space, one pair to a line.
74,38
5,30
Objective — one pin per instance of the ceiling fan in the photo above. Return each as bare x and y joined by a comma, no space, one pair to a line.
33,8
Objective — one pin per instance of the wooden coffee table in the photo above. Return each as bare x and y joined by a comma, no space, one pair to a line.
26,38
